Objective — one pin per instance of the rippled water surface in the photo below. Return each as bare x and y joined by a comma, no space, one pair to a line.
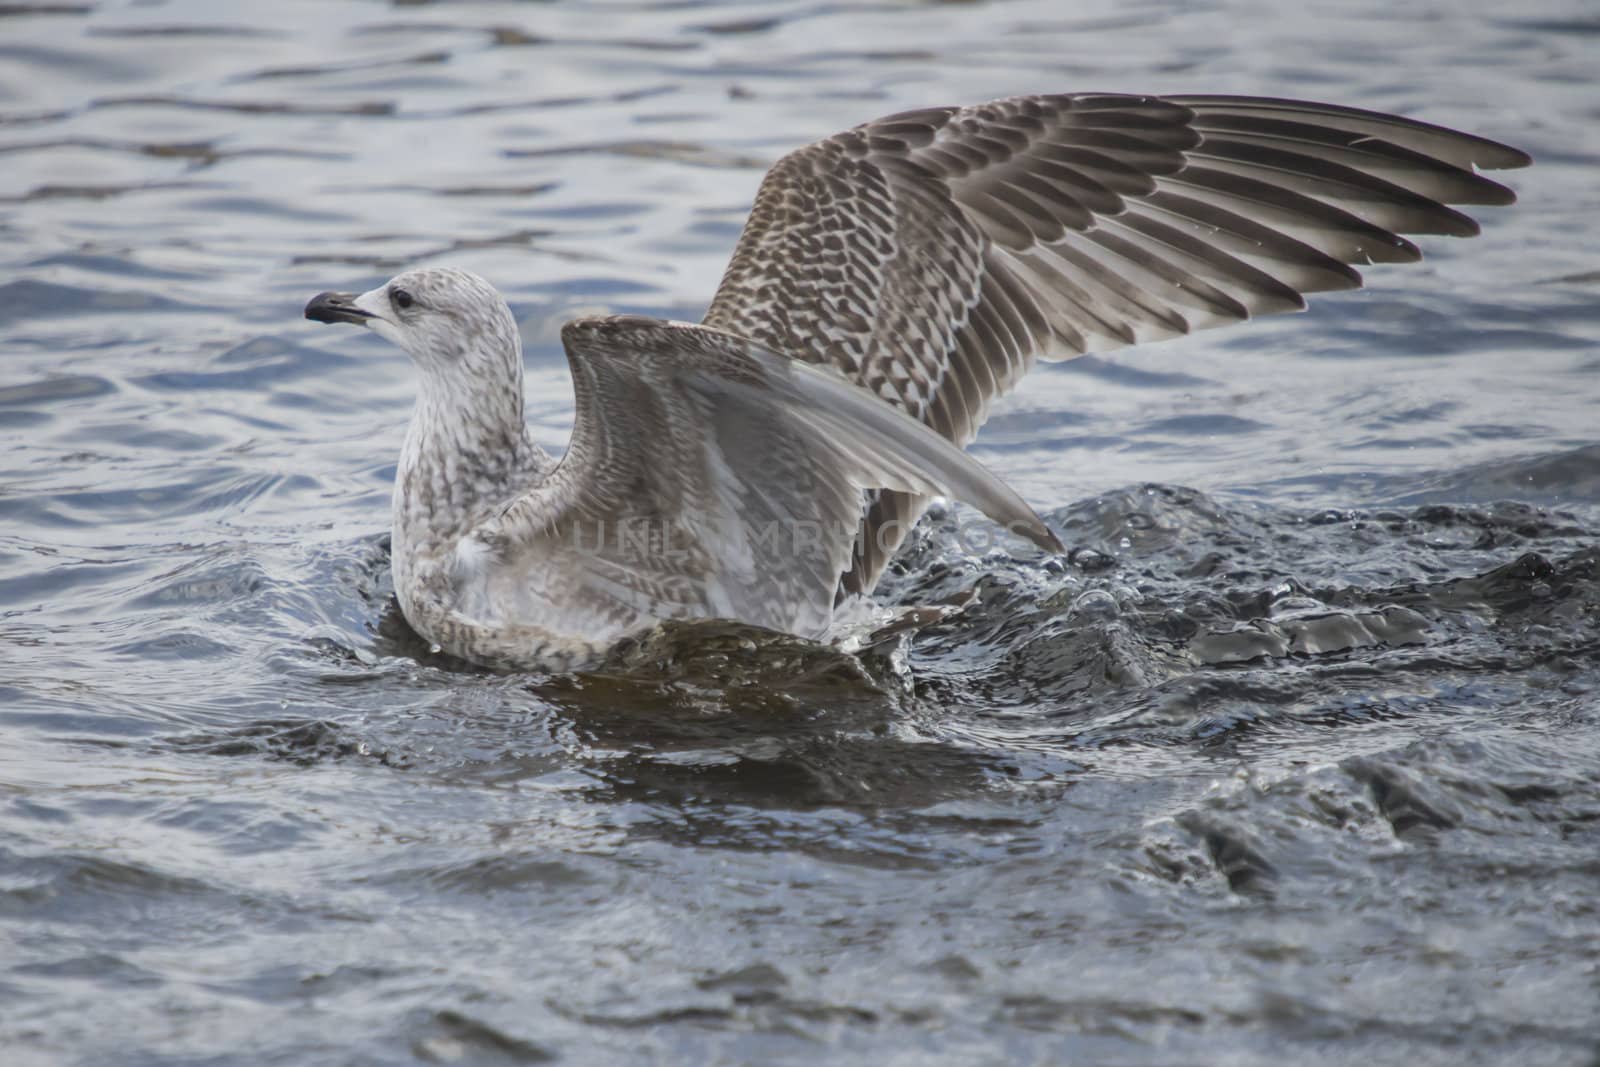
1295,759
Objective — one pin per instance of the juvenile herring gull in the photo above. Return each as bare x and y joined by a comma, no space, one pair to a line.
892,281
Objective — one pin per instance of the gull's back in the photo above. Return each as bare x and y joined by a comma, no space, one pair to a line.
707,477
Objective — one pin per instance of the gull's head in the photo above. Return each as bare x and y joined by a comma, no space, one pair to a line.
448,321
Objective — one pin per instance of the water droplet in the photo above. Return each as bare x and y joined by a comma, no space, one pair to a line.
1096,605
435,648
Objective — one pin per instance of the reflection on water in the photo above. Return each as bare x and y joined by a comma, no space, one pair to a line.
1300,766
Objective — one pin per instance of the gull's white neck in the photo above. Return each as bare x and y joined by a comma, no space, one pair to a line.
466,453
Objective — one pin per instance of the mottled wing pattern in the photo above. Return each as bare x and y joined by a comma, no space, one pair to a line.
708,476
932,256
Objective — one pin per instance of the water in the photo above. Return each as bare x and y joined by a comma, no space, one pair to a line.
1296,759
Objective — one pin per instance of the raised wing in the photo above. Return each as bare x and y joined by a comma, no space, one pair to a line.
932,256
707,476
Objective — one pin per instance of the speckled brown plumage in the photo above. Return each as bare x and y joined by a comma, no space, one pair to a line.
932,256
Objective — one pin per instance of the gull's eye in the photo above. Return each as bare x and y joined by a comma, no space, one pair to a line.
401,299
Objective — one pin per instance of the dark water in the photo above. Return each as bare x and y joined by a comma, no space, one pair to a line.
1298,765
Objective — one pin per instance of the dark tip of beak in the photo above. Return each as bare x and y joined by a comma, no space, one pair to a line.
335,307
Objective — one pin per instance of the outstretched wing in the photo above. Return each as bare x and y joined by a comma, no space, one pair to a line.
709,476
932,256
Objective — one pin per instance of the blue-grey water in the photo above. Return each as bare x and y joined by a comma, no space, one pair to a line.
1295,759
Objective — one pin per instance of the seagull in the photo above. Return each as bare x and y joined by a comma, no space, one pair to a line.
891,283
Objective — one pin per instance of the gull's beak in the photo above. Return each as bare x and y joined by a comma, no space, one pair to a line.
336,307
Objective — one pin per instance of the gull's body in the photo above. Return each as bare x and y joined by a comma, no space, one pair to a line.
892,282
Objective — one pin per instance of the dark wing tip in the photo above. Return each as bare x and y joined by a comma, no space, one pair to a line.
1500,156
1046,539
1464,149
